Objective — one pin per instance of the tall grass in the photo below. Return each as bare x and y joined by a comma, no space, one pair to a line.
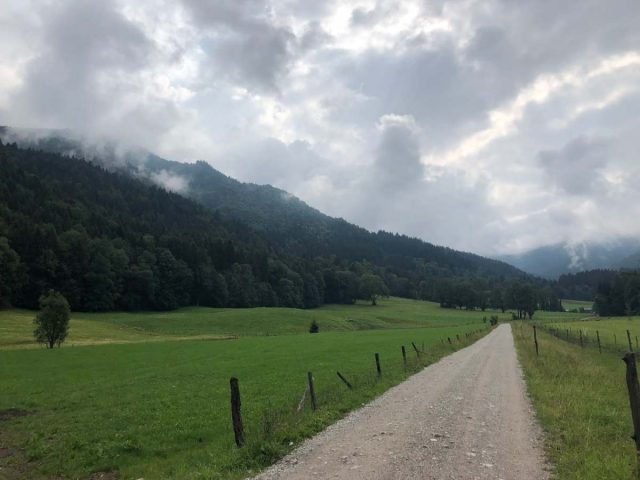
581,401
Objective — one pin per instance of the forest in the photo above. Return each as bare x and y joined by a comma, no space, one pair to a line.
109,241
619,296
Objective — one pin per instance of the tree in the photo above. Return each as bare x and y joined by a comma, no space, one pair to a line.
522,296
52,322
497,300
371,286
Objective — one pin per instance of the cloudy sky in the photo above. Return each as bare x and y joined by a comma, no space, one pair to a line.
492,126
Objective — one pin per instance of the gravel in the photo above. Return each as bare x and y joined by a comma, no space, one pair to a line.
466,417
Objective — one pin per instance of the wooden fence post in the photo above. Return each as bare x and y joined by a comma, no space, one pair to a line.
581,344
404,356
413,344
346,382
629,338
378,364
598,337
634,399
312,391
449,340
236,417
535,339
567,334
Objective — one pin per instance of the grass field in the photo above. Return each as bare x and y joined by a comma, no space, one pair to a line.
96,328
613,331
581,401
159,408
571,305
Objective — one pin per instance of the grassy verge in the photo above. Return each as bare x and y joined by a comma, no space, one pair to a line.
581,401
161,409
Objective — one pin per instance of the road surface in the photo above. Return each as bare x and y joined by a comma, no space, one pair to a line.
466,417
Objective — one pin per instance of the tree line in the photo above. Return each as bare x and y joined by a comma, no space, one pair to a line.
620,296
525,297
583,285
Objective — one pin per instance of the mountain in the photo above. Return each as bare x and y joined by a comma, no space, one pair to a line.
555,260
261,244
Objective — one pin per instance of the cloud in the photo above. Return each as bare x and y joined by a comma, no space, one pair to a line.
397,156
84,46
493,126
243,44
577,167
171,182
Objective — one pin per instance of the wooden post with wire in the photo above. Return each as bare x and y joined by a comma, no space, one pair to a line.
345,381
634,402
312,391
598,337
236,417
535,339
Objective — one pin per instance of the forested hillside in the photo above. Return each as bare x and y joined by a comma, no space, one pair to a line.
108,240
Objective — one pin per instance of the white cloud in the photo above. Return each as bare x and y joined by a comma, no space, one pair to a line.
170,181
455,121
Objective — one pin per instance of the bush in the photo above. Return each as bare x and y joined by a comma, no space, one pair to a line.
314,328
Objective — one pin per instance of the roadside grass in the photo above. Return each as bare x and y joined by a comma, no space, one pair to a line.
161,410
16,328
581,402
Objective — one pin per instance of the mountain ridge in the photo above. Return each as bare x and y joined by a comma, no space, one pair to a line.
279,215
552,261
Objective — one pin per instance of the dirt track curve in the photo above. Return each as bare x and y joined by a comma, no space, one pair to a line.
466,417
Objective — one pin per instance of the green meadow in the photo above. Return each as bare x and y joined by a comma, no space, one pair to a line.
146,395
571,305
612,331
96,328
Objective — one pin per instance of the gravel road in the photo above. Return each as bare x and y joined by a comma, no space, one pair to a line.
466,417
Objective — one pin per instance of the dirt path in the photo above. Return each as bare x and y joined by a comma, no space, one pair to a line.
466,417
